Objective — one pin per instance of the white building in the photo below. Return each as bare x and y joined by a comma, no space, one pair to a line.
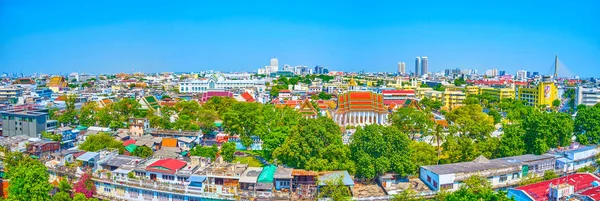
500,172
577,158
491,72
588,96
401,68
521,75
219,82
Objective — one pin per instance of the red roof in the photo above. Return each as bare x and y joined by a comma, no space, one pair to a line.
128,142
248,97
208,95
389,102
539,191
593,193
397,91
284,91
169,163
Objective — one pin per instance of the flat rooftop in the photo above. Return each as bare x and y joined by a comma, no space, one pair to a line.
482,164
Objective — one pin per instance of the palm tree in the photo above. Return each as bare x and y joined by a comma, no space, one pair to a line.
438,136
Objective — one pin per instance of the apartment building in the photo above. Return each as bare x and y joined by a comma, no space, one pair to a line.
588,96
29,123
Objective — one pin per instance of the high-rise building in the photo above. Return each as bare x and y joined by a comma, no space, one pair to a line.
401,68
424,65
319,69
274,62
502,73
417,66
528,74
491,72
522,75
534,74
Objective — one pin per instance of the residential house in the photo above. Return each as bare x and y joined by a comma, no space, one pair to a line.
572,160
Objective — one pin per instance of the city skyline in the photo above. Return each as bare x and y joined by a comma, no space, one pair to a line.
45,37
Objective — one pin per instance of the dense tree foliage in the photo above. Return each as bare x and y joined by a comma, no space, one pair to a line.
469,120
315,144
243,119
28,178
544,130
378,149
203,151
412,121
587,125
511,143
227,151
335,189
431,104
143,152
101,141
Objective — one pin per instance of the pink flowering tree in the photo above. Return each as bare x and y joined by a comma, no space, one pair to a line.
85,185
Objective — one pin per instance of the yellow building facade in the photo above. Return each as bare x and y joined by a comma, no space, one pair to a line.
542,94
500,93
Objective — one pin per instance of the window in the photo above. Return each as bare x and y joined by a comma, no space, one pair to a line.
107,189
515,175
162,196
148,195
446,186
134,193
503,178
428,179
177,197
168,177
435,183
193,199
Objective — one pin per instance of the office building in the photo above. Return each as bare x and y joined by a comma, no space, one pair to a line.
274,63
320,69
534,74
29,123
401,68
417,66
424,65
500,93
491,72
588,96
541,94
502,73
522,75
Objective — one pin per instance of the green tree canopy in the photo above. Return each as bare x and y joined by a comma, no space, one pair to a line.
469,120
315,144
101,141
378,149
587,125
228,151
28,178
412,121
143,152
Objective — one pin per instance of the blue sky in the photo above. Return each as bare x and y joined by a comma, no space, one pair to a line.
151,36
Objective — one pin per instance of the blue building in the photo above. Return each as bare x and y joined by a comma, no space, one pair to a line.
69,136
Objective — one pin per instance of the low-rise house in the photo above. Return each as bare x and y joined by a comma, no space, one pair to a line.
43,148
15,143
500,172
304,184
327,177
137,126
264,185
248,182
577,158
89,160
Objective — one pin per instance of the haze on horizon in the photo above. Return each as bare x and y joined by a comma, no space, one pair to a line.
150,36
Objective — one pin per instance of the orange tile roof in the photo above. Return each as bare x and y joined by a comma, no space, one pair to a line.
297,172
169,142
